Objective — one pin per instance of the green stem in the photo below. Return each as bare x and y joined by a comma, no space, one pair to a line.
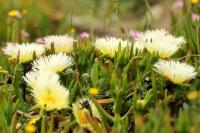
102,111
43,126
154,87
117,104
51,124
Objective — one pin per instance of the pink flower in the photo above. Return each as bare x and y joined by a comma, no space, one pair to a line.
134,34
84,35
40,40
178,4
24,33
195,17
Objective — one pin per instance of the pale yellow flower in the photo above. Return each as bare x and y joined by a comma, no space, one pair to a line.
61,43
175,71
110,45
161,42
81,111
55,63
24,51
47,91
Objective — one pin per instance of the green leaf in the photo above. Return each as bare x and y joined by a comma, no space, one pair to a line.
94,74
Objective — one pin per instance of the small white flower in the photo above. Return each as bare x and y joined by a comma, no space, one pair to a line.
161,42
175,71
47,91
109,45
55,63
25,51
61,43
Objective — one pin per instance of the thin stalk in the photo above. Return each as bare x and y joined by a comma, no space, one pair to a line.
43,126
102,111
198,37
51,124
117,104
154,87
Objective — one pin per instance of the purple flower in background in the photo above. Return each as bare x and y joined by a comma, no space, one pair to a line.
178,4
84,35
24,33
195,17
134,34
40,40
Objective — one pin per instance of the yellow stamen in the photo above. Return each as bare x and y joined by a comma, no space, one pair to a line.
83,118
49,99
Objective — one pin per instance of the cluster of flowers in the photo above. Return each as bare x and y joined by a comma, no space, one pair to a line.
159,42
50,94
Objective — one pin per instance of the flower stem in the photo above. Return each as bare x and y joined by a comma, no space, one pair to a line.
102,111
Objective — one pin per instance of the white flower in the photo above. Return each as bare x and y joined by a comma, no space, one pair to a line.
139,44
32,78
25,51
61,43
161,42
47,91
175,71
109,45
55,63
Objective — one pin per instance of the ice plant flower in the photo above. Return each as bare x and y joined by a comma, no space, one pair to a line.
175,71
61,43
109,45
178,4
161,42
134,34
32,78
25,52
84,35
47,91
195,17
139,44
55,63
24,34
85,111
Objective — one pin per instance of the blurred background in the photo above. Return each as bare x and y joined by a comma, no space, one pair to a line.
32,19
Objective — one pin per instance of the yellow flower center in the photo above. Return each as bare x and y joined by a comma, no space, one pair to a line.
49,99
83,118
